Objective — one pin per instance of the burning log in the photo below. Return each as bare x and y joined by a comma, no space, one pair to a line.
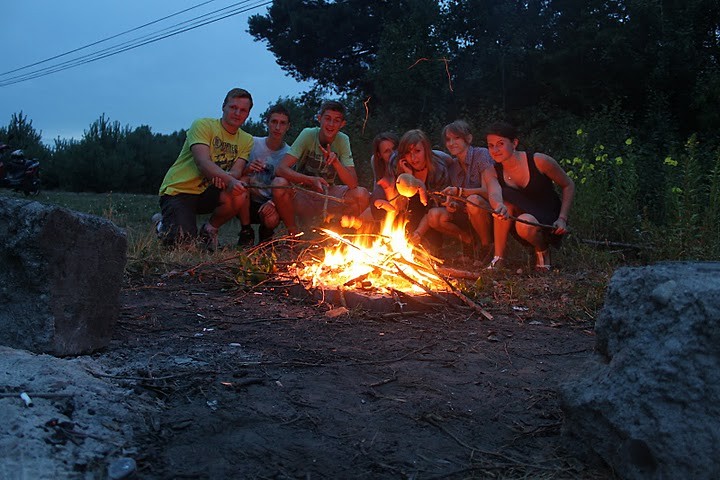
385,264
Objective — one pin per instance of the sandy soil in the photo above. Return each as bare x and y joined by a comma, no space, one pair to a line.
206,381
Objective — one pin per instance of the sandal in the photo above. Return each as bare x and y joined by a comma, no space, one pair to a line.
497,263
542,263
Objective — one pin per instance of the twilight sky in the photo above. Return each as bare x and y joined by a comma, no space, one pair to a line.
165,84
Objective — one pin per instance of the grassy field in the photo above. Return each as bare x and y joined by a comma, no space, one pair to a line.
575,290
132,212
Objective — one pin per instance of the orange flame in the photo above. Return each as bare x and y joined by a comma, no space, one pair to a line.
383,263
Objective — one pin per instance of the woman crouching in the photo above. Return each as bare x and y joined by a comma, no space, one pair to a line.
527,180
473,183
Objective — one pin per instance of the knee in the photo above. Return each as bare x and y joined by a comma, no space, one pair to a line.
525,231
279,182
282,192
477,205
435,216
358,195
234,201
357,200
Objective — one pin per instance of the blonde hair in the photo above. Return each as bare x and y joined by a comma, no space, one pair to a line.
459,128
238,93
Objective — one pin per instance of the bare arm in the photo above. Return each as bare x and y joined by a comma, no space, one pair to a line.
285,170
347,175
211,171
494,191
547,165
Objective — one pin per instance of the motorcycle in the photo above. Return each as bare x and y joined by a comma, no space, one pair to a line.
19,173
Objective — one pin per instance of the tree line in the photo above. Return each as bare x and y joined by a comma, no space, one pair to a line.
624,93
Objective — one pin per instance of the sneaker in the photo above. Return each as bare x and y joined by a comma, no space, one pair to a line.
208,236
497,263
484,255
542,263
265,233
246,237
157,221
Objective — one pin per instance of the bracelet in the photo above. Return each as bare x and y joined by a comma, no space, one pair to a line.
563,218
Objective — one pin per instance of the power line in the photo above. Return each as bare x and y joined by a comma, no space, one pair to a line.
173,30
105,39
119,48
134,43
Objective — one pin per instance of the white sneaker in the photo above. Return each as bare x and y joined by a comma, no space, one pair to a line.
157,221
542,261
497,263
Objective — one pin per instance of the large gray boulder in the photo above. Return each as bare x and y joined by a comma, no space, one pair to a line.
649,404
60,278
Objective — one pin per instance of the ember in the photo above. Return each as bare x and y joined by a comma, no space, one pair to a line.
381,263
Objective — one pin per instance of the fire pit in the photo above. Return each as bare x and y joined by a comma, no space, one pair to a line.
382,263
382,272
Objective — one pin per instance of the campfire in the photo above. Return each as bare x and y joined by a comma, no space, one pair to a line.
385,263
379,263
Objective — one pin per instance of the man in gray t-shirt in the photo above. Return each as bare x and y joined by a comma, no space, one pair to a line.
260,171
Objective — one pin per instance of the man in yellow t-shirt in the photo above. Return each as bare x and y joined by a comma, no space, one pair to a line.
205,178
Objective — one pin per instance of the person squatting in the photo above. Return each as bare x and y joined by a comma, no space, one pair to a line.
478,196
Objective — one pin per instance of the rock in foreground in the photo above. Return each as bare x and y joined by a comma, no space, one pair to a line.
60,278
650,406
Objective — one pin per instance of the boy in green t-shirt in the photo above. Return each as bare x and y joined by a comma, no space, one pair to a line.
319,155
205,178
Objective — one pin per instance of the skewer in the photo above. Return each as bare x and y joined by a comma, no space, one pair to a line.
298,187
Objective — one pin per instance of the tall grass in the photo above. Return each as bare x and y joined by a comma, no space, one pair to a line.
133,212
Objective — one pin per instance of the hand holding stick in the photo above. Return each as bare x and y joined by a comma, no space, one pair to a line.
408,186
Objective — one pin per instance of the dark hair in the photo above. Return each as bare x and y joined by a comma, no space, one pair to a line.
238,93
278,108
334,106
458,127
502,129
378,165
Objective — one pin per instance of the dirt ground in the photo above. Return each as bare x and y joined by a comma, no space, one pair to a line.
267,383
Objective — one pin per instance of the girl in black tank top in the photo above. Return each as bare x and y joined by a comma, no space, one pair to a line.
536,202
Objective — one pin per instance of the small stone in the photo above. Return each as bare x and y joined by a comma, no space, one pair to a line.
336,312
122,468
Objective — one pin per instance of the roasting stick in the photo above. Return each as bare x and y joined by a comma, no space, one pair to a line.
474,306
408,186
489,209
303,189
